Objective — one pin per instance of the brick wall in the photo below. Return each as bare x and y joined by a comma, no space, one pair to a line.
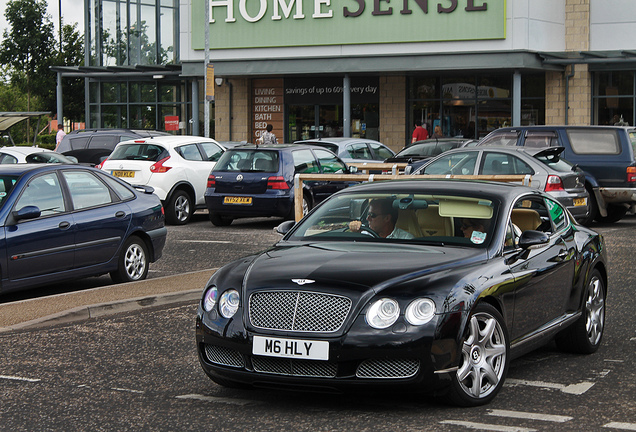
577,38
393,111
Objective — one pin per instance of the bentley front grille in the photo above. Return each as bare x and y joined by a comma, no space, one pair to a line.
292,367
298,311
388,368
224,356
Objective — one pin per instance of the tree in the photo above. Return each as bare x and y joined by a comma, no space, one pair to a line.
72,55
28,49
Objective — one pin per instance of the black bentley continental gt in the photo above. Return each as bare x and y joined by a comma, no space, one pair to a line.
424,285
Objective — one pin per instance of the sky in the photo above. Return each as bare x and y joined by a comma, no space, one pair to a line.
72,12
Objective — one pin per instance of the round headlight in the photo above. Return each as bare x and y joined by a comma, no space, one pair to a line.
420,311
383,313
229,303
209,299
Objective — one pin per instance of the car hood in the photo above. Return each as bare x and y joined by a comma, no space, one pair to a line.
353,267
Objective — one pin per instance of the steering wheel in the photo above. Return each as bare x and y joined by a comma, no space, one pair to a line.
365,230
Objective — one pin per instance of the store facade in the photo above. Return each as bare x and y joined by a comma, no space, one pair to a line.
315,68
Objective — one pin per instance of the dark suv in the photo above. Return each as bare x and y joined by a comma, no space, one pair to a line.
251,181
604,153
92,146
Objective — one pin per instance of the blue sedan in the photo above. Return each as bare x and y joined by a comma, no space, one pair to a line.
62,222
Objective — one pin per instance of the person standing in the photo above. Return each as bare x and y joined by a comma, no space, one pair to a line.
268,137
420,133
60,135
438,132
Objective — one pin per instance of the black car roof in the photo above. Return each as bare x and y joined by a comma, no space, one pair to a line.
487,189
22,168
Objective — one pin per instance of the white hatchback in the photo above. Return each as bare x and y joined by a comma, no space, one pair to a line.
177,167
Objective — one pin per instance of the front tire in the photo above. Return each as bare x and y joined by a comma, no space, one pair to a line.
179,208
485,359
585,335
133,262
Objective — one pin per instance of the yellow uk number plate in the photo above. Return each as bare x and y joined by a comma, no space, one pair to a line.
237,200
128,174
580,201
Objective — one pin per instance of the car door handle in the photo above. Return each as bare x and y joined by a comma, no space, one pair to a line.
562,255
64,225
120,214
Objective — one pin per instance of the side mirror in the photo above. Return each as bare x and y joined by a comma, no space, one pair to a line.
353,169
26,212
284,227
531,239
408,169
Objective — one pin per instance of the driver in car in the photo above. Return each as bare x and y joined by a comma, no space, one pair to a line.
381,218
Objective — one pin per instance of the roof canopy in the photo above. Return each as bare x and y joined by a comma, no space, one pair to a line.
8,119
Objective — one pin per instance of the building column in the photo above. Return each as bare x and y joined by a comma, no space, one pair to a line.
516,99
393,108
195,108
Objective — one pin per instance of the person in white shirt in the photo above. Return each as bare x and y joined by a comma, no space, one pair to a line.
382,217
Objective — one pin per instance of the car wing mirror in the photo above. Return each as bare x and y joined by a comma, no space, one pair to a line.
284,227
532,239
26,212
408,169
353,169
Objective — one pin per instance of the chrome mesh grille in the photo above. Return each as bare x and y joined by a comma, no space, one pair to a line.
306,368
224,356
298,311
388,368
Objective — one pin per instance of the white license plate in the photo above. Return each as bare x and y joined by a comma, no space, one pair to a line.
290,348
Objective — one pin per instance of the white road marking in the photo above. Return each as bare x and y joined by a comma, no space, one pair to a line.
17,378
487,427
575,389
127,390
614,361
205,241
632,339
530,416
217,399
623,426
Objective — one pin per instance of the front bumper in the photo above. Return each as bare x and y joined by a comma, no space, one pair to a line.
420,358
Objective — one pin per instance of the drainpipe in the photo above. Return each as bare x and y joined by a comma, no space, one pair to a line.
346,106
230,110
567,93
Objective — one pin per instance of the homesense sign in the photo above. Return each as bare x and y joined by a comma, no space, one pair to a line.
271,23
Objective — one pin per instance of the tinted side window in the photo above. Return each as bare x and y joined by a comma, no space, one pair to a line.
590,141
557,214
462,163
381,152
190,152
86,189
504,164
103,141
7,159
77,143
329,162
121,190
359,151
305,162
212,151
45,193
541,139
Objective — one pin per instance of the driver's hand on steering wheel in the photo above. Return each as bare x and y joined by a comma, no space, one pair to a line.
355,225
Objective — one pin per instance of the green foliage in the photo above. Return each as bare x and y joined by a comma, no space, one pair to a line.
28,48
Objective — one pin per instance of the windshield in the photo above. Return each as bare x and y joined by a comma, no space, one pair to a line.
556,163
48,157
248,160
430,149
399,217
500,139
6,184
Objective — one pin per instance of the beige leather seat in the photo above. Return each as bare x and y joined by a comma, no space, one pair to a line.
432,224
407,220
526,219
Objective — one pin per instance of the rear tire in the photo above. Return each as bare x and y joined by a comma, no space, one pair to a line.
485,357
179,208
593,210
220,221
133,262
615,212
585,335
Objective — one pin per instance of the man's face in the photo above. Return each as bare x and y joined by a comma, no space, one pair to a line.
377,221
